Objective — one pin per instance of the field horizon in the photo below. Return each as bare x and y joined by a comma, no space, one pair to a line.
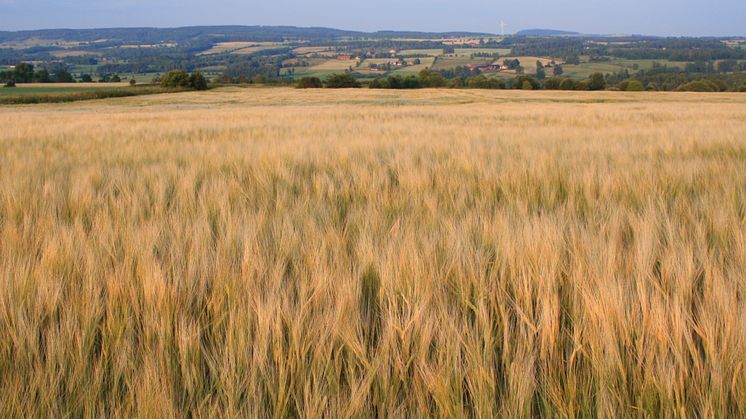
280,252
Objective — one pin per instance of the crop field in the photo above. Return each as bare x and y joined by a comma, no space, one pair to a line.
647,64
374,253
255,49
240,47
334,65
430,51
451,61
470,51
312,50
584,70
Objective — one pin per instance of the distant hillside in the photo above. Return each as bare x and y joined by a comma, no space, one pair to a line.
545,32
214,33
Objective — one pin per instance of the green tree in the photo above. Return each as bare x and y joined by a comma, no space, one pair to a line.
553,83
527,85
175,79
483,82
431,79
727,66
341,81
86,78
512,64
197,81
568,84
63,76
573,59
115,79
133,81
558,70
42,76
541,74
635,86
24,73
379,83
520,83
596,82
309,83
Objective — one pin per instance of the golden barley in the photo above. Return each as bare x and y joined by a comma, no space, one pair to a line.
275,252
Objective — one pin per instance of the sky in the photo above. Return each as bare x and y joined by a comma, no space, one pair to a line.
647,17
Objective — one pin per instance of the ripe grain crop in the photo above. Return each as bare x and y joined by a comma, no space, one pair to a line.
275,253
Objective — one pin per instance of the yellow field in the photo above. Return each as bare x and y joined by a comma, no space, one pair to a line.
359,253
334,64
312,50
470,51
433,52
237,47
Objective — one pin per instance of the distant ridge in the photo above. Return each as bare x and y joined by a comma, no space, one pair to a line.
545,32
222,33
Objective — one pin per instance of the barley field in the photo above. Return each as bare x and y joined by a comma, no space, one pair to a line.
372,253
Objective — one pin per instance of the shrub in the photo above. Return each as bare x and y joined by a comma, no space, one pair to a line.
10,83
527,85
342,81
115,79
742,88
133,81
309,83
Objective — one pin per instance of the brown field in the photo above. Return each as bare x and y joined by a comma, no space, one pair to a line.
360,253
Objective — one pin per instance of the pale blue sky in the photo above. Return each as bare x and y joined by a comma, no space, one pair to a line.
651,17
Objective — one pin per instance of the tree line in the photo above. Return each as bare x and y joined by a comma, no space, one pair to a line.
595,82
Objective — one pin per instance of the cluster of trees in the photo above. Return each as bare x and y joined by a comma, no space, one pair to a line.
182,79
595,81
425,78
703,85
670,78
26,73
253,69
334,81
